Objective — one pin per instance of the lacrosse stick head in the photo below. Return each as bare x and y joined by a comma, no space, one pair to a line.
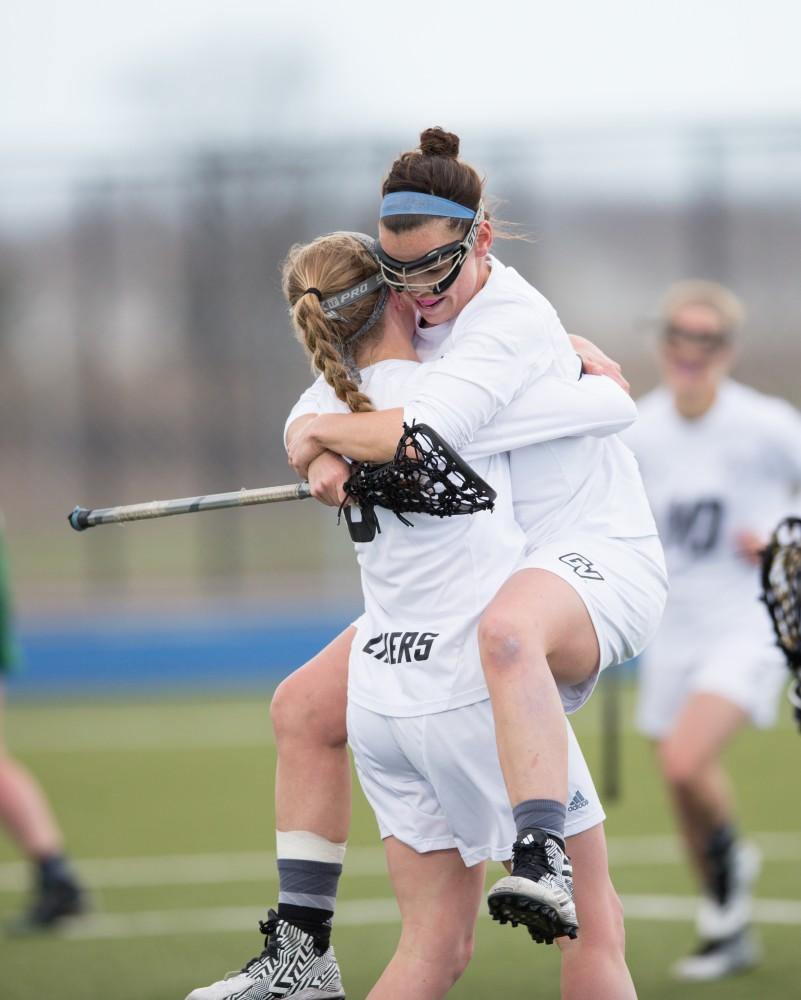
781,592
426,476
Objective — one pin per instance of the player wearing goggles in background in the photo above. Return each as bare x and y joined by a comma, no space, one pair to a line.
720,462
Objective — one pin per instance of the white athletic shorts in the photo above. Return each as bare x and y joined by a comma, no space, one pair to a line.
435,782
748,670
623,584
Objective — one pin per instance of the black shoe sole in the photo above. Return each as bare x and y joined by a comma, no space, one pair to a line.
542,921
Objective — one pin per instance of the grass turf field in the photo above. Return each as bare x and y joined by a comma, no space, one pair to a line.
167,808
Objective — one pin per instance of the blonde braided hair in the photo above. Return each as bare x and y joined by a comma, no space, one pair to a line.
326,266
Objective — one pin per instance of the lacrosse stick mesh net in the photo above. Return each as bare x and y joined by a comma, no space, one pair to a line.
425,477
781,592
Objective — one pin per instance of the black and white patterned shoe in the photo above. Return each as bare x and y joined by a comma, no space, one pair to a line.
55,902
539,892
291,965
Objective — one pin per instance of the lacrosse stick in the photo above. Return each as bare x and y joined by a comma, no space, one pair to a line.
781,592
425,477
82,518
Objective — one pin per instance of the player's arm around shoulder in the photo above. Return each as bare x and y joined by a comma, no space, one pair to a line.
491,355
325,471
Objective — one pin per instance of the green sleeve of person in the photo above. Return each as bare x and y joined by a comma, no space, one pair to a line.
9,654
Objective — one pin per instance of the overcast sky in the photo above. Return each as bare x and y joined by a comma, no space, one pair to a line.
82,77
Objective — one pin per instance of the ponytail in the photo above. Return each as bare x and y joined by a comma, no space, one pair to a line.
313,276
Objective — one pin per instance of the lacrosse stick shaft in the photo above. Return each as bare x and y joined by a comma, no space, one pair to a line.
82,518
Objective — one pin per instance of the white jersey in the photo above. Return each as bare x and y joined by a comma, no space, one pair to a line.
425,586
586,483
503,340
733,469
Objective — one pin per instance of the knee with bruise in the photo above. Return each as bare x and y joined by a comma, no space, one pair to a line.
499,640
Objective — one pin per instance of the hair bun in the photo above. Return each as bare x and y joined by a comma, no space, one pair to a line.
437,142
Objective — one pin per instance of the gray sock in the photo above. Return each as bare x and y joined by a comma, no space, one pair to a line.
311,884
541,814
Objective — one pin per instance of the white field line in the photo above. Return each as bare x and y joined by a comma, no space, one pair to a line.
364,912
187,869
133,741
360,862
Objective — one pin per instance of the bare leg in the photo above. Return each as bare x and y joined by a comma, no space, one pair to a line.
536,628
24,810
689,758
594,965
439,899
308,712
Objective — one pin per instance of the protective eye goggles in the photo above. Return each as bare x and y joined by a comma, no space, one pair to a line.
436,270
709,343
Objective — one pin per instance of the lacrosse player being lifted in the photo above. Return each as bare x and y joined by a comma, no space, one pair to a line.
573,577
720,463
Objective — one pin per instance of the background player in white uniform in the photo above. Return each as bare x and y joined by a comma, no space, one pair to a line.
487,563
720,461
593,586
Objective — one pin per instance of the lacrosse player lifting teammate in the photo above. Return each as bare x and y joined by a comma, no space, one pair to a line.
720,462
586,592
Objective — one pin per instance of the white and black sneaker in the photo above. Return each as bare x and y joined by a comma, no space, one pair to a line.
539,892
717,959
291,965
728,910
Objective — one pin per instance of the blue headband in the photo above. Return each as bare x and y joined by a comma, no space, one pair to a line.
417,203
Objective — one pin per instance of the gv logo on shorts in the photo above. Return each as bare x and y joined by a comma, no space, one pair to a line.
400,647
581,566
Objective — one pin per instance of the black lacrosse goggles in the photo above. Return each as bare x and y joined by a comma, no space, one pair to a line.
781,593
708,343
426,476
436,270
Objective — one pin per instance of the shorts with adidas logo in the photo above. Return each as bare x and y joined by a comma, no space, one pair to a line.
434,781
623,585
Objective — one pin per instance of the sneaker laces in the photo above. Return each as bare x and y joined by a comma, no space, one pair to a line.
268,928
531,860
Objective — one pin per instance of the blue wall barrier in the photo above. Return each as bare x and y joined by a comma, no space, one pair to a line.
128,655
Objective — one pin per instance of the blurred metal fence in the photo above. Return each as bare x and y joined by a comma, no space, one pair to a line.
145,350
